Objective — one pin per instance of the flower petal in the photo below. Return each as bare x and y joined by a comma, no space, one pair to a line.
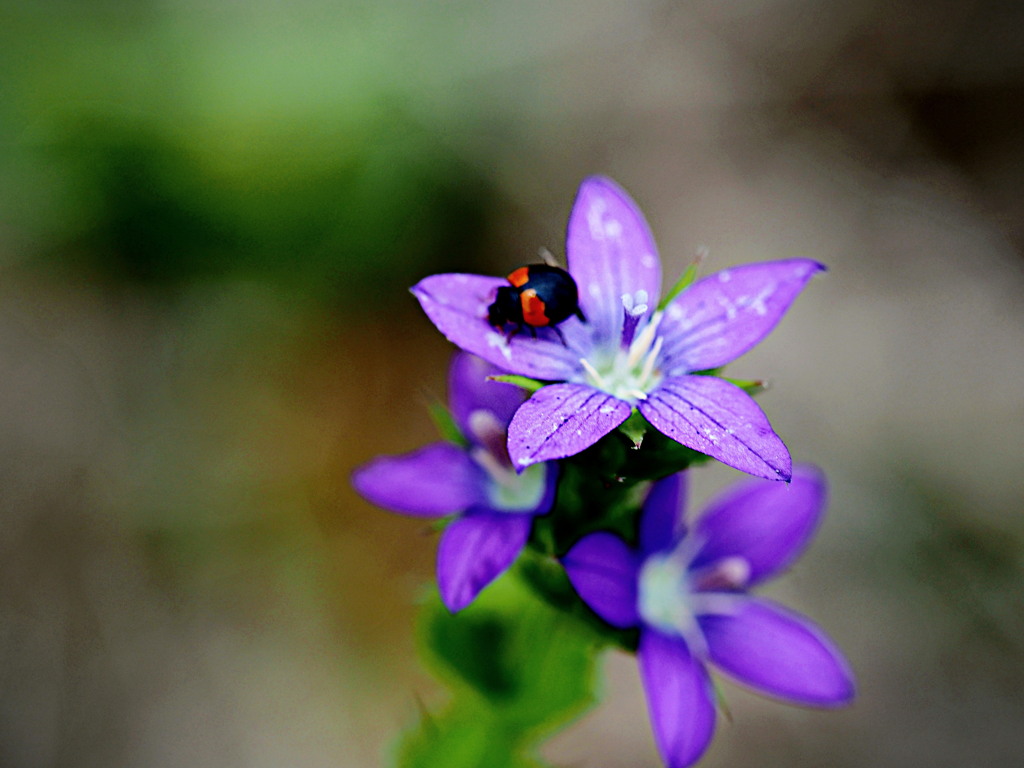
561,420
475,550
719,318
457,305
611,252
436,480
778,652
603,570
768,524
662,523
715,417
680,699
469,391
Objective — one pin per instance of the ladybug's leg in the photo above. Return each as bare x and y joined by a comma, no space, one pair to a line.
533,331
558,333
580,315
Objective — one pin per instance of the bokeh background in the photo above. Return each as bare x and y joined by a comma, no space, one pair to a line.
209,218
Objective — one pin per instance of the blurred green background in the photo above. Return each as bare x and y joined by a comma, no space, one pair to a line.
209,219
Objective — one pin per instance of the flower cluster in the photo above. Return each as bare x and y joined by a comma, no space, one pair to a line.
617,366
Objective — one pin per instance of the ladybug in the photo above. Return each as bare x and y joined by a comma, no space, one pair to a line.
540,296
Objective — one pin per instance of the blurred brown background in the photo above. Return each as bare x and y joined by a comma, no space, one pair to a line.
209,219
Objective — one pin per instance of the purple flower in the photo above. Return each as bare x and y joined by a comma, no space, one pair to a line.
629,354
494,505
687,593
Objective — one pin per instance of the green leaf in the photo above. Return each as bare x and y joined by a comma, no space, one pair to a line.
557,672
516,667
456,642
548,579
466,737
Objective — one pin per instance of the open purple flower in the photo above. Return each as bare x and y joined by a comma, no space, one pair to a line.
629,354
494,504
687,592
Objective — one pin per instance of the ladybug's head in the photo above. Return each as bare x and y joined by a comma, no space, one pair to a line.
506,307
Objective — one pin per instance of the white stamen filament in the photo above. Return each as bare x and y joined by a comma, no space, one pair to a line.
645,374
498,472
593,374
642,343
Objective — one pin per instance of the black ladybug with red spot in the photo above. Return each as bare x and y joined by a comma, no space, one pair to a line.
539,296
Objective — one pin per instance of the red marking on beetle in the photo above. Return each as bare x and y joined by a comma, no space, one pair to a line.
533,308
519,277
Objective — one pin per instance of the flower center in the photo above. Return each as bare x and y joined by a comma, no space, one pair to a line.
507,490
631,371
671,595
664,596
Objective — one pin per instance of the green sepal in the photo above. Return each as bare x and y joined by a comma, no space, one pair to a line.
659,456
684,282
445,424
530,385
750,386
720,703
592,495
635,427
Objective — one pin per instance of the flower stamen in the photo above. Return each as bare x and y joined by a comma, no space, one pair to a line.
494,468
648,369
597,378
643,342
508,490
